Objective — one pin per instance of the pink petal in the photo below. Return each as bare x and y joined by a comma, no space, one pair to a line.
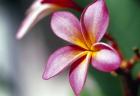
61,59
95,21
36,12
78,74
106,59
66,26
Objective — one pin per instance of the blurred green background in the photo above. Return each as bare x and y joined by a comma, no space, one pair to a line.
22,62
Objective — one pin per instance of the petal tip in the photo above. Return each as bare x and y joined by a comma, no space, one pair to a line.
19,36
76,91
45,76
23,29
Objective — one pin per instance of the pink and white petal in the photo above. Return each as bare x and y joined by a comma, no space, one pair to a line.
78,73
94,21
105,59
60,59
33,16
66,26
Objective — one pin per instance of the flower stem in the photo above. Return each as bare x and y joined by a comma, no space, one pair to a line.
130,86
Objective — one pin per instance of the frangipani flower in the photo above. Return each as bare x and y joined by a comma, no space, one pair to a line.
86,49
40,9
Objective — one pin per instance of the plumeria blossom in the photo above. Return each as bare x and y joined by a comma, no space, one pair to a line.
40,9
85,35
